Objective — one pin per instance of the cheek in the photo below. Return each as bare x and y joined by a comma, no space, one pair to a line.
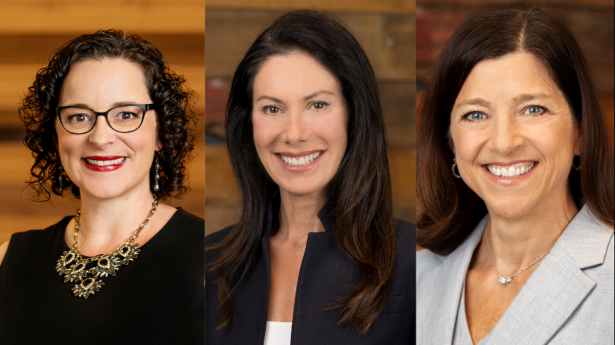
332,129
263,136
465,144
264,132
555,142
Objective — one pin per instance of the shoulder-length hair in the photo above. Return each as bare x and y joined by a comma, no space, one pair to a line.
359,193
175,118
450,209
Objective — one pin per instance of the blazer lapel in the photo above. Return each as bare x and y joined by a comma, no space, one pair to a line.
557,287
439,292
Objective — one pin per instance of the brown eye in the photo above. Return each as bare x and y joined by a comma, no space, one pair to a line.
319,105
271,109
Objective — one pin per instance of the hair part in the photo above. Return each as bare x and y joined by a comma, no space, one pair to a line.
450,209
363,216
172,100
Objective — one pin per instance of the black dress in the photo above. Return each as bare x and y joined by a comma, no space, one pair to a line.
324,275
156,299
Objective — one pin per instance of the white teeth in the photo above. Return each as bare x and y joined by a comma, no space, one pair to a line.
102,163
510,172
300,161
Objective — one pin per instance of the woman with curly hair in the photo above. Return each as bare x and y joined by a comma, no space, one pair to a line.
107,121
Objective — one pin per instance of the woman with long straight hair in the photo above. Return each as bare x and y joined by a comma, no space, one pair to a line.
316,256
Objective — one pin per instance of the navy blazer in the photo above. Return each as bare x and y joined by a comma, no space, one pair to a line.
324,276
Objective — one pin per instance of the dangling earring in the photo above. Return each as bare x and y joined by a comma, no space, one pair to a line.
157,176
60,180
579,167
454,165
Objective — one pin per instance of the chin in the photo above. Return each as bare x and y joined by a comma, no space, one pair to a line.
300,190
509,208
103,191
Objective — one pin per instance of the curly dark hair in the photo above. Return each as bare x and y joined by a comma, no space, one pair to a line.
172,100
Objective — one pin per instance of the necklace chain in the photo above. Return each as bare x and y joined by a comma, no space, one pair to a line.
107,264
505,280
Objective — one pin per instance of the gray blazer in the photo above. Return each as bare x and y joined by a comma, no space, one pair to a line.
567,300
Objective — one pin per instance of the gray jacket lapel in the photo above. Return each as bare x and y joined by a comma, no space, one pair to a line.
558,285
439,292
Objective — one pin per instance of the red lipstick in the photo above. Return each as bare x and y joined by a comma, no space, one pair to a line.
103,168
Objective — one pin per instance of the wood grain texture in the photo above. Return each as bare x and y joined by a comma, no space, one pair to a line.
453,4
78,17
388,40
178,49
386,6
592,24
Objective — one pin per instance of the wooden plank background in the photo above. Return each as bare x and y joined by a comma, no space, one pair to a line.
31,29
385,29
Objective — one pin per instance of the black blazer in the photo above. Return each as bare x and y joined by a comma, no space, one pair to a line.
325,272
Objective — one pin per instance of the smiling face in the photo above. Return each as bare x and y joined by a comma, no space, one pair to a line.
299,118
513,135
104,163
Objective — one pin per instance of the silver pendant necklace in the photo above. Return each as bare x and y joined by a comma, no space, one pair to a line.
505,280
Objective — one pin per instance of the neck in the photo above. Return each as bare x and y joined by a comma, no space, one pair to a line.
516,242
299,216
105,223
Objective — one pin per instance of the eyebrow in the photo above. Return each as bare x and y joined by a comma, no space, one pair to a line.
115,104
528,97
312,95
517,99
475,101
316,94
277,100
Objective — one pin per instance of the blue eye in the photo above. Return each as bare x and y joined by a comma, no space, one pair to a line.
473,116
534,110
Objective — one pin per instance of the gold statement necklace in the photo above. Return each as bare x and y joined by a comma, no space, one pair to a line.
106,264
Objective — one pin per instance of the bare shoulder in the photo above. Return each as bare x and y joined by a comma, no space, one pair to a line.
3,247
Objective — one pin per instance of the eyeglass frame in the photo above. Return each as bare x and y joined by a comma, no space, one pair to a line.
144,107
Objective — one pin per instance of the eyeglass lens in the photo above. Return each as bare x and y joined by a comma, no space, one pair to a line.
122,119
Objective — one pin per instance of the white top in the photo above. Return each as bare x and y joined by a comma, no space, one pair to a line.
278,333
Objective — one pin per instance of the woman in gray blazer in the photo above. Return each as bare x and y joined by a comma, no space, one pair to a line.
515,182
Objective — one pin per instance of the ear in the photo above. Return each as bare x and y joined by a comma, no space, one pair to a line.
578,142
451,143
158,146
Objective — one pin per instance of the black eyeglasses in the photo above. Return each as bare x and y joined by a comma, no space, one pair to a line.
124,118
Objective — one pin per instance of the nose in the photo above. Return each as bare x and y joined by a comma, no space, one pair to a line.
296,129
102,134
505,135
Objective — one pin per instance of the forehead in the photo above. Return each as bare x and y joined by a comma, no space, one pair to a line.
508,76
293,75
94,82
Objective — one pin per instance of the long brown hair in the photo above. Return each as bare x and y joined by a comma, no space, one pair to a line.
450,209
360,192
